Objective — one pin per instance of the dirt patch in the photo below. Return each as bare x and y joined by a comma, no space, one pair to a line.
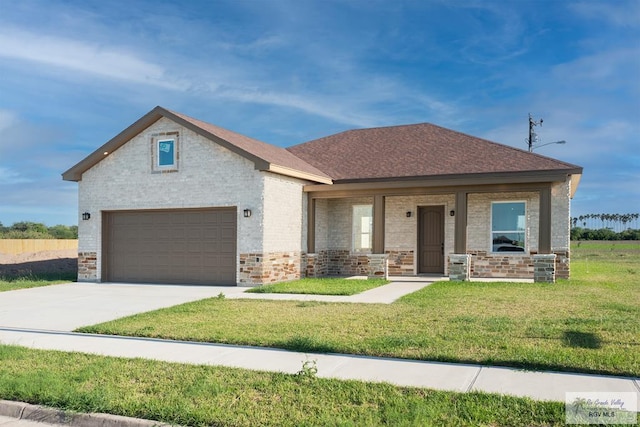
39,263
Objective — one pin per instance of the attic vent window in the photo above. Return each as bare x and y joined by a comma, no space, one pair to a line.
164,152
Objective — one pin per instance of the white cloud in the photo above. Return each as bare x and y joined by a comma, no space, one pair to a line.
83,57
10,177
620,13
311,104
604,68
353,103
258,46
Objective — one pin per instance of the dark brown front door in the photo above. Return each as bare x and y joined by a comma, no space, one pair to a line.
431,239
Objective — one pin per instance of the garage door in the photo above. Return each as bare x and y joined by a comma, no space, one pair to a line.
180,246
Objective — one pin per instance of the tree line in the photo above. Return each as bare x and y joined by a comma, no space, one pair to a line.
605,226
36,230
615,222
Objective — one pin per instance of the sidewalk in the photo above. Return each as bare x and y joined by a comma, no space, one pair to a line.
412,373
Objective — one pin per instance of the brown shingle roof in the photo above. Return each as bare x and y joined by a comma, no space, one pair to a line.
396,152
420,150
265,156
260,150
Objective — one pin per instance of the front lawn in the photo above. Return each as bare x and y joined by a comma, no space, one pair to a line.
321,286
33,281
588,324
207,396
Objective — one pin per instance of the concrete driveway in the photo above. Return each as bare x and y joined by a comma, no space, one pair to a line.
70,306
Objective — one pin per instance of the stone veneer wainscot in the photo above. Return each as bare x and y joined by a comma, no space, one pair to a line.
261,269
87,266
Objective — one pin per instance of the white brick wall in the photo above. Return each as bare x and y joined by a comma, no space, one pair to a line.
339,223
283,206
402,232
560,216
479,218
209,176
322,225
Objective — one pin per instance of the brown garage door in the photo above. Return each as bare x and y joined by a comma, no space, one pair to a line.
191,246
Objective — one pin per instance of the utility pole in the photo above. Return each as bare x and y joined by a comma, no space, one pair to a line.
533,137
532,134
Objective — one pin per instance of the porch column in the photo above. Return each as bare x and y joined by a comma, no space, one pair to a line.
378,224
460,235
544,227
311,224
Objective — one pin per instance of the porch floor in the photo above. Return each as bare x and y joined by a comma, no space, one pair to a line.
437,277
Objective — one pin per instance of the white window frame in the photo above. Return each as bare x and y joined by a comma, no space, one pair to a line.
172,165
156,140
523,231
357,233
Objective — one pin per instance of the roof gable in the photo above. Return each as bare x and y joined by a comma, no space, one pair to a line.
417,151
266,157
395,153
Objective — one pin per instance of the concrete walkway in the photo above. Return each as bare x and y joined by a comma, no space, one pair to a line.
69,306
413,373
42,318
385,294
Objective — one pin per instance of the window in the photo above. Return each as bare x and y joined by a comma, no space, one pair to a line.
166,153
165,149
508,225
362,228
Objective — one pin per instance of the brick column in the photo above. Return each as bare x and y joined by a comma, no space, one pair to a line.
563,270
378,266
544,268
87,267
310,263
459,267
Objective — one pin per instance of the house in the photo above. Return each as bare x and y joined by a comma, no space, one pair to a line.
172,199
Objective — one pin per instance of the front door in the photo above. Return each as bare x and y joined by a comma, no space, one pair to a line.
431,239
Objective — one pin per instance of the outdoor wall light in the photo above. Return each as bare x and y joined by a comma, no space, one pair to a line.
86,216
452,212
247,213
408,214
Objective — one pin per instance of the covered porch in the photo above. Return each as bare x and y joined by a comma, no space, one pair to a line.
427,228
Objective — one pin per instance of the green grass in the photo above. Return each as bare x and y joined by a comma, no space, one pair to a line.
34,281
587,324
206,396
321,286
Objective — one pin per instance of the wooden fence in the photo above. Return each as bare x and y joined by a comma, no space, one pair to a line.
21,246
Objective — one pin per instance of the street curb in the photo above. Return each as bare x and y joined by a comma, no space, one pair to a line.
43,414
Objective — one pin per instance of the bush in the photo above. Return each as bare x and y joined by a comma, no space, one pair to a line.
578,233
630,235
36,230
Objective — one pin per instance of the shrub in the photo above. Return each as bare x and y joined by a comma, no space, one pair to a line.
578,233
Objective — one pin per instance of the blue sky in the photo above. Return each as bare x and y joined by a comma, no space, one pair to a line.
73,74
